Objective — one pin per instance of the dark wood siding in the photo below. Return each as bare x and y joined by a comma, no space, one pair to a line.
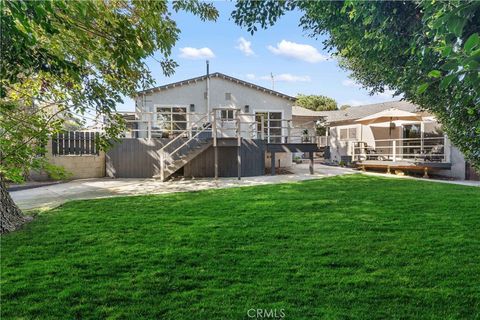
253,161
140,158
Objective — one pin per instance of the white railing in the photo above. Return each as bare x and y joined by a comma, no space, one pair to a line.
432,149
247,125
220,122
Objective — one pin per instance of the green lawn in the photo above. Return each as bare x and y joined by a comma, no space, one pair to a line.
344,247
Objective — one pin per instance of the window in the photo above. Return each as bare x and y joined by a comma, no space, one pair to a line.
227,115
272,126
205,95
352,133
348,134
171,119
228,96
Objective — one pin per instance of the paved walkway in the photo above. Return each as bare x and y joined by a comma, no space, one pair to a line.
54,195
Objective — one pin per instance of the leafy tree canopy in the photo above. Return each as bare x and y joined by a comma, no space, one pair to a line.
316,102
65,59
428,50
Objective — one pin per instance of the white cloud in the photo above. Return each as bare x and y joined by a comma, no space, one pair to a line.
298,51
351,83
196,53
287,77
250,76
245,46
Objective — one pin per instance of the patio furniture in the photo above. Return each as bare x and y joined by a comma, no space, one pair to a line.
436,154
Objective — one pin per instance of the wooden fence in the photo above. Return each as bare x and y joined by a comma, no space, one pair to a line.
75,143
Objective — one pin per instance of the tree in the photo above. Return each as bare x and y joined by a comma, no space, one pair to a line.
316,102
64,59
427,50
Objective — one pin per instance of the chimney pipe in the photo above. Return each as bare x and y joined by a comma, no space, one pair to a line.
208,90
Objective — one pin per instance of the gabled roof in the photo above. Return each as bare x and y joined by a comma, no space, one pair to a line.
220,76
354,113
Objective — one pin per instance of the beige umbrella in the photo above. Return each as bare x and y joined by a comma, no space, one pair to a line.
389,115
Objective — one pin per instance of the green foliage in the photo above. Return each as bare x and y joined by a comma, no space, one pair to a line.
64,59
23,137
351,247
316,102
427,50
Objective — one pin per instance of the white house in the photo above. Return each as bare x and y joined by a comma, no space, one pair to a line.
223,108
414,143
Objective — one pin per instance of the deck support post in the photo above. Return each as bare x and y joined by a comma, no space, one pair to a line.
239,163
272,163
162,166
215,147
239,146
310,167
388,170
425,173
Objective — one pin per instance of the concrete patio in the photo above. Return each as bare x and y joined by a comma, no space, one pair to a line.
51,196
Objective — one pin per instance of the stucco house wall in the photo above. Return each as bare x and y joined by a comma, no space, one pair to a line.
194,93
240,96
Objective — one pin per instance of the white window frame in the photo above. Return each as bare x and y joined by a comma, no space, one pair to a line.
348,136
227,113
268,122
156,121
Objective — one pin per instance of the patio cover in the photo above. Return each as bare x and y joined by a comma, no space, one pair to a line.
389,115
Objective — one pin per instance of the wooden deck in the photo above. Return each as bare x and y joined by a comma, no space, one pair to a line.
403,164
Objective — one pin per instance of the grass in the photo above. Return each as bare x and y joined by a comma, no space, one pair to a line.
343,247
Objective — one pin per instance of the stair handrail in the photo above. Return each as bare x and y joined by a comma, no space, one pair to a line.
192,138
181,134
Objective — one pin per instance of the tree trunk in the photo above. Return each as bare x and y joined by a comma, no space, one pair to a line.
11,217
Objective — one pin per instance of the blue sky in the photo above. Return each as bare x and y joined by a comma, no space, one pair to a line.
299,63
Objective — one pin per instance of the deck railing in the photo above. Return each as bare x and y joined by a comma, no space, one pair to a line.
431,149
247,125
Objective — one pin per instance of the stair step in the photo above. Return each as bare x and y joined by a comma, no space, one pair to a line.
191,152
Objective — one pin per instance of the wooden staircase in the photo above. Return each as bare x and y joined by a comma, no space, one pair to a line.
183,153
193,151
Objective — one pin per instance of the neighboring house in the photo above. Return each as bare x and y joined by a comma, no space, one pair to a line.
232,112
418,144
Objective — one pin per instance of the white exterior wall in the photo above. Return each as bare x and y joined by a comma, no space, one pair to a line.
339,147
241,95
194,93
